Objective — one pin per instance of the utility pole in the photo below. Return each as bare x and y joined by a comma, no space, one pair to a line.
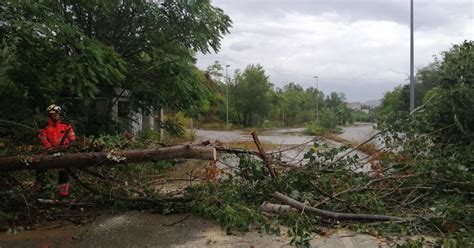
227,96
412,78
283,114
317,97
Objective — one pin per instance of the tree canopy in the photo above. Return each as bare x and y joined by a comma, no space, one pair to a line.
71,51
250,95
446,92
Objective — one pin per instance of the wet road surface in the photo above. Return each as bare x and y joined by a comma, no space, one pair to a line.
145,229
142,229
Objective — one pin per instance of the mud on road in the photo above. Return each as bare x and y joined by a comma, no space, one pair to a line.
145,229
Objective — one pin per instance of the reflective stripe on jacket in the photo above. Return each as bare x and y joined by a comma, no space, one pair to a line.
52,134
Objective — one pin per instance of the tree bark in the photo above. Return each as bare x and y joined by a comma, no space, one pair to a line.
234,150
69,160
334,215
357,147
263,155
276,208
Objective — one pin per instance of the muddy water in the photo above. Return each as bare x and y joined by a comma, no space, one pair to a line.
282,139
279,138
290,136
360,132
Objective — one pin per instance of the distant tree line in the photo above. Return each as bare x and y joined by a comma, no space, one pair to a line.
254,101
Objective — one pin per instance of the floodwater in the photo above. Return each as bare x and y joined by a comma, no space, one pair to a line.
293,138
289,136
361,132
282,139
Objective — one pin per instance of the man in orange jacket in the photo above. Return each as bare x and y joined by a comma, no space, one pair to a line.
56,135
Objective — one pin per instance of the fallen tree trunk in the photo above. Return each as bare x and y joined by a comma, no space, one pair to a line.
69,160
149,200
263,155
235,150
335,215
357,147
269,207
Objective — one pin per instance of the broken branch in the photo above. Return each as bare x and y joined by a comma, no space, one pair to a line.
357,147
335,215
78,160
263,155
276,208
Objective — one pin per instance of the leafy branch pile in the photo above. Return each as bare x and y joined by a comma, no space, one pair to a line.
424,173
432,204
85,55
410,183
120,187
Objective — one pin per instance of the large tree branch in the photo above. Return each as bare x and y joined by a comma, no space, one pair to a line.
358,146
21,125
263,155
149,200
78,160
335,215
269,207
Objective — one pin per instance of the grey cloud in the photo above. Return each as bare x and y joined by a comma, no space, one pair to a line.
357,47
240,46
428,13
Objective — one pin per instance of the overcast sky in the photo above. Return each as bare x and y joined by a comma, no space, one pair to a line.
359,47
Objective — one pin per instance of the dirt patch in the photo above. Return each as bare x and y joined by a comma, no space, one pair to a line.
52,234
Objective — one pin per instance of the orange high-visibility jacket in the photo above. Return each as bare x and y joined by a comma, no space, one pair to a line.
52,134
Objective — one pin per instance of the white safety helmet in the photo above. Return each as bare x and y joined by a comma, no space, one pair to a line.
53,108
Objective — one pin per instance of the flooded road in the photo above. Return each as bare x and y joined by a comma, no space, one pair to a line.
281,139
278,139
285,137
360,132
288,136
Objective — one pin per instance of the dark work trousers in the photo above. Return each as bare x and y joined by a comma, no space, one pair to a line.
63,176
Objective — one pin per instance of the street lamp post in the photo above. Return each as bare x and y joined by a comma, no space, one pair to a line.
317,97
412,78
227,96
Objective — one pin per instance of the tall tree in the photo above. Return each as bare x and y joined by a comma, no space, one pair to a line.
336,104
65,50
448,110
393,101
251,96
447,92
48,59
